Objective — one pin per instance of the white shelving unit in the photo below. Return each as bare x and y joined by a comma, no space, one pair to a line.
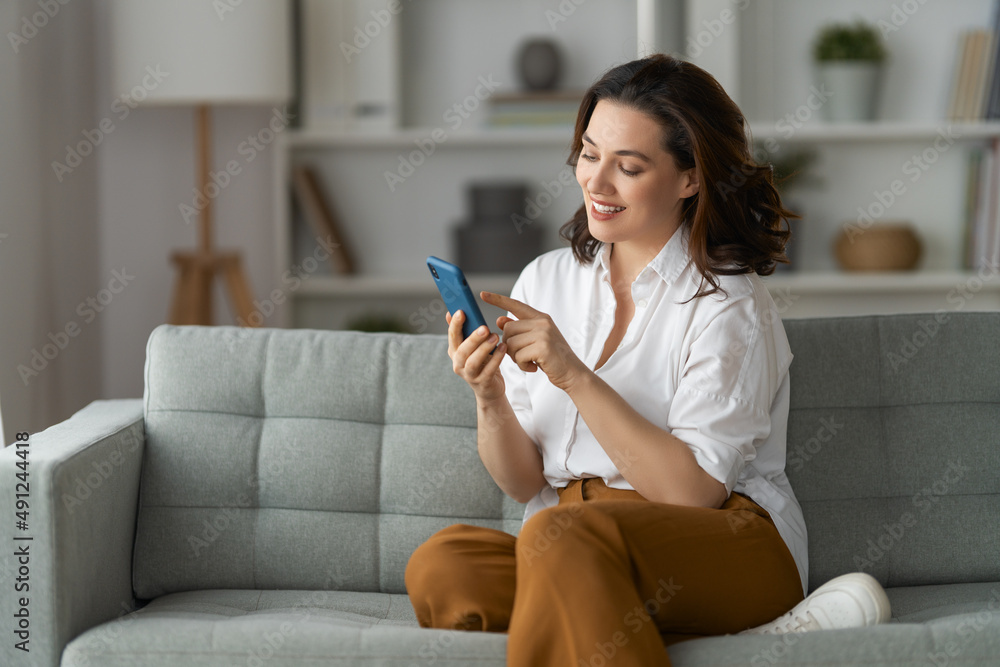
405,138
882,132
765,51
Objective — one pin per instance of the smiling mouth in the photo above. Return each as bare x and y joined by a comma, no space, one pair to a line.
601,208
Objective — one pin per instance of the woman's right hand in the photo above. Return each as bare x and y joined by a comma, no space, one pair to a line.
471,358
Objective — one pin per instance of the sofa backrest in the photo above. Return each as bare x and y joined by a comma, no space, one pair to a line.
302,459
894,445
320,460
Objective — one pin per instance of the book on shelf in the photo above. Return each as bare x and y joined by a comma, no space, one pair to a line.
542,108
992,102
975,84
975,78
971,74
318,212
982,230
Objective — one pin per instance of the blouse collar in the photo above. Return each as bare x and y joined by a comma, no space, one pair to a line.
667,264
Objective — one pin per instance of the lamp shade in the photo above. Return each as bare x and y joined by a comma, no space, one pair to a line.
191,52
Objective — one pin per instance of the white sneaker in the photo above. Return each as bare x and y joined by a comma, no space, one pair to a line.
851,600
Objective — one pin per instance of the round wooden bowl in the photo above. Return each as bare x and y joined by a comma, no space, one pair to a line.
882,247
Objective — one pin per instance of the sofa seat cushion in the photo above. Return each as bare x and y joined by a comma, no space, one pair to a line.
962,640
278,628
951,624
916,604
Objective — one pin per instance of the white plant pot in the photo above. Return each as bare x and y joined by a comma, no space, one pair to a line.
853,89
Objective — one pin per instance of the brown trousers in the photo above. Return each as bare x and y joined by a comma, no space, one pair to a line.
606,578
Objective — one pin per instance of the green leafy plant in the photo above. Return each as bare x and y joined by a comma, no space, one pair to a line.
794,171
843,41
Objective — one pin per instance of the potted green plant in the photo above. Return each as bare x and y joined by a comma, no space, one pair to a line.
792,173
849,59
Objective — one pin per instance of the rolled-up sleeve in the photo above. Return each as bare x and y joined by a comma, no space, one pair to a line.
722,405
720,430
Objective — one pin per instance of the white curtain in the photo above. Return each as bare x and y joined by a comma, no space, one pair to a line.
48,227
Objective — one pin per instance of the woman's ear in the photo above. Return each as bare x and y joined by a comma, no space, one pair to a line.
690,183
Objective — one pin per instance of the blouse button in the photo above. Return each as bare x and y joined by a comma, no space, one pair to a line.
642,303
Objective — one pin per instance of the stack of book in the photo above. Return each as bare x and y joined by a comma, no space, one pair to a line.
556,108
975,85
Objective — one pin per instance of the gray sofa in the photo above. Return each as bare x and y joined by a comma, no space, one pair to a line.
259,505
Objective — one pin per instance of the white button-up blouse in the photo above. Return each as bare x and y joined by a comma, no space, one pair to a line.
712,371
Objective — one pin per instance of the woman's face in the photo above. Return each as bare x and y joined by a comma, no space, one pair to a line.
631,186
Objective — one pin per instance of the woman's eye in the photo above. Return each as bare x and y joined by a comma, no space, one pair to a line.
627,172
589,158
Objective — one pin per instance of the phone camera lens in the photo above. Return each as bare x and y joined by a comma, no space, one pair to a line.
434,271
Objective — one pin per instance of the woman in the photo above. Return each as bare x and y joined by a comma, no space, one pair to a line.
638,401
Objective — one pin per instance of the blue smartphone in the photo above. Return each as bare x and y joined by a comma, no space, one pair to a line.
455,291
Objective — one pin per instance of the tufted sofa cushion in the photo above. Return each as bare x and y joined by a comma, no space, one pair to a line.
894,444
302,460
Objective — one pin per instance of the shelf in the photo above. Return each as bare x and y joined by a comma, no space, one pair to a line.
837,282
559,137
416,285
812,282
877,131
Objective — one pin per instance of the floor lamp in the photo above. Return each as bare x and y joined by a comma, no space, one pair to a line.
202,54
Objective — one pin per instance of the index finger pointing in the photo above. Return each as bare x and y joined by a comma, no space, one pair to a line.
520,309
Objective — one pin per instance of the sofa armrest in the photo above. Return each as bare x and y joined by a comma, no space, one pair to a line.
83,489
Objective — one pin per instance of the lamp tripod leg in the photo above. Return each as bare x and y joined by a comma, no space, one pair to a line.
239,292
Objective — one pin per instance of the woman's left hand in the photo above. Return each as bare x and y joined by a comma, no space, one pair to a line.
533,342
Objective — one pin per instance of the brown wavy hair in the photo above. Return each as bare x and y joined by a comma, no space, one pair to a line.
736,216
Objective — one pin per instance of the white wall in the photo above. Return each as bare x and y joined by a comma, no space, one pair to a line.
146,170
118,211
